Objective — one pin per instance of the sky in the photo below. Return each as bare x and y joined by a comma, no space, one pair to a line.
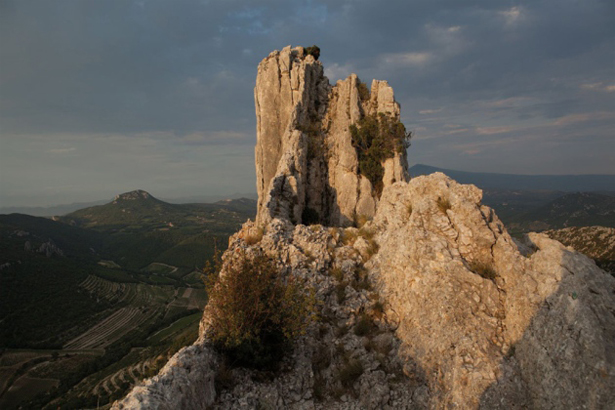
103,97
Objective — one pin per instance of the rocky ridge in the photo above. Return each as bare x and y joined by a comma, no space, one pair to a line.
430,304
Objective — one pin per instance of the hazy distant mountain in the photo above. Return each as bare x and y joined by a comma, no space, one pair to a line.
49,210
63,209
568,183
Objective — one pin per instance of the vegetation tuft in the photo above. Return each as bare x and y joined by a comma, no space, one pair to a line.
443,204
376,138
350,372
484,270
365,326
363,91
255,237
313,51
255,312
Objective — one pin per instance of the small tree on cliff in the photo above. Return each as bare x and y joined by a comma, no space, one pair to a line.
255,312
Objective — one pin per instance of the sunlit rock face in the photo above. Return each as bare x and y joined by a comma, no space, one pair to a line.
431,304
305,161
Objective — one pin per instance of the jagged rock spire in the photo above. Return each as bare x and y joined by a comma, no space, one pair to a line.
306,164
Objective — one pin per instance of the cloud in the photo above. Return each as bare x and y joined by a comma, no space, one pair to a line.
493,130
62,150
408,59
584,117
512,15
423,112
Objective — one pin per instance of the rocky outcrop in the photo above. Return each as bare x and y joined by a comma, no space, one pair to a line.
492,327
306,165
430,304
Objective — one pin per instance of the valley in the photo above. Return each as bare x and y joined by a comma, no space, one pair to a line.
94,301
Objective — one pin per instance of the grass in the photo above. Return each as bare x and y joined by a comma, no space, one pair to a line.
361,220
349,236
350,372
255,237
378,309
337,274
361,280
174,328
365,326
484,270
443,204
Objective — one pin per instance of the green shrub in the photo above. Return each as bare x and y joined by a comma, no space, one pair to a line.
255,312
363,91
313,51
376,138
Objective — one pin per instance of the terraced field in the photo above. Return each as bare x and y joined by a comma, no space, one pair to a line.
111,329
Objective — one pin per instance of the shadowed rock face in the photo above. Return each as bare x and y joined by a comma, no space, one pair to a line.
305,161
468,317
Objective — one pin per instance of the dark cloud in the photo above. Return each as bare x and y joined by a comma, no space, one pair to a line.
181,73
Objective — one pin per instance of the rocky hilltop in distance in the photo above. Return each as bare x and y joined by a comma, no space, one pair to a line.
428,304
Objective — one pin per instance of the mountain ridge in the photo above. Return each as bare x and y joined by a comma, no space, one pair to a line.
568,183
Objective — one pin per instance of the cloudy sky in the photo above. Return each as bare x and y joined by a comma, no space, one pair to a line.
102,97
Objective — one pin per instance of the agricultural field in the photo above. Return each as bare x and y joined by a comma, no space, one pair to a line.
136,334
94,301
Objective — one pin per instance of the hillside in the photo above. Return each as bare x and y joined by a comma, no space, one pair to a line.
575,209
143,233
94,302
597,242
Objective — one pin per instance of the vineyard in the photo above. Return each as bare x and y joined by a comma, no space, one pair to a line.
157,313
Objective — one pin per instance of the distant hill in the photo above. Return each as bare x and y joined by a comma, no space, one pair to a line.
49,210
142,231
140,211
568,183
575,209
63,209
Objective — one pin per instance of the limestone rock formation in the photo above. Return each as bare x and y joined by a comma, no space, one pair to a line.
306,164
430,304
